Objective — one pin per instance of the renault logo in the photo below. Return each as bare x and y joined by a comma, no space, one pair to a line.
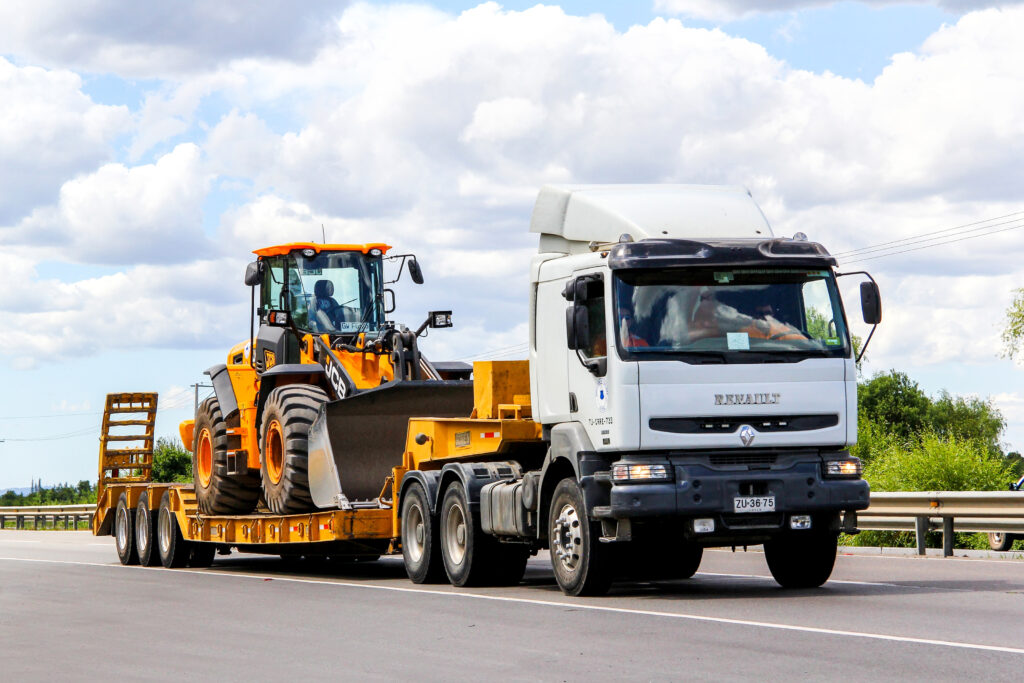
747,435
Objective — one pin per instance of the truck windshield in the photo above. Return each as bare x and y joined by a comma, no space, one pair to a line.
729,315
331,292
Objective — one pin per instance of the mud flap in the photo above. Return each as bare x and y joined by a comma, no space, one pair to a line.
354,443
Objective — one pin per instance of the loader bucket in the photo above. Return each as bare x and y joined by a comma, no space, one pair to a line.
354,443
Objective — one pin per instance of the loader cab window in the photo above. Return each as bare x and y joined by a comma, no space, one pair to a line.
333,292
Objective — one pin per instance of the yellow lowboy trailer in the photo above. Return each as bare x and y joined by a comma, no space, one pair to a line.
160,523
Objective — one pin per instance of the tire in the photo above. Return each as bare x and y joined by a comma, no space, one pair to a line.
174,550
471,557
664,558
686,561
510,564
124,532
217,492
145,533
1000,541
582,564
284,446
421,549
801,561
202,554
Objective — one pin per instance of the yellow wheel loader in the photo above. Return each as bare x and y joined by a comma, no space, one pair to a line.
322,392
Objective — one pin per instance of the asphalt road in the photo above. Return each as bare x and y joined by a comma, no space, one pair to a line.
69,611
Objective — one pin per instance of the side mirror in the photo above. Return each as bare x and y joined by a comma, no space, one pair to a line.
570,327
389,301
414,271
870,303
580,293
582,324
439,319
254,273
277,318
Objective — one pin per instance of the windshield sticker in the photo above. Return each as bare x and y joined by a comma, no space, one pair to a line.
738,341
724,278
833,341
312,271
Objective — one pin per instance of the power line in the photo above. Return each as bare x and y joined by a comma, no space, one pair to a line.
923,236
938,244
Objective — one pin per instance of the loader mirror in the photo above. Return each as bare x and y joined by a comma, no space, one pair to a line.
254,273
414,271
389,301
870,303
440,319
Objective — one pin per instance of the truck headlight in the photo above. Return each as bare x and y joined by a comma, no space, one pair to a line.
845,468
625,472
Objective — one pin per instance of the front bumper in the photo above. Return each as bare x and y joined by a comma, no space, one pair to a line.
701,491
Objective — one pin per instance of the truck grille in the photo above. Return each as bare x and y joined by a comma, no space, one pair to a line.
746,459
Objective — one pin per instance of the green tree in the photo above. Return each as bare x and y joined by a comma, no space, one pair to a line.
969,418
1013,330
171,462
895,403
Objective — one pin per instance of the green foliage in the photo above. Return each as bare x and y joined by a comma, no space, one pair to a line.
895,403
1013,330
171,462
62,494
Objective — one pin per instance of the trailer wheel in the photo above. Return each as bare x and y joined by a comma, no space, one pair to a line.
421,549
174,549
145,532
217,492
202,554
1000,541
124,532
471,558
582,564
284,446
801,561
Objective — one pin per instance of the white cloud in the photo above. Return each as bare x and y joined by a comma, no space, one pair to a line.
146,41
730,10
49,131
125,215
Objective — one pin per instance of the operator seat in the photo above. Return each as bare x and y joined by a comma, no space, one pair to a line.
328,311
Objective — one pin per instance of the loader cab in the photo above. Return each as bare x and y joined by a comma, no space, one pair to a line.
336,290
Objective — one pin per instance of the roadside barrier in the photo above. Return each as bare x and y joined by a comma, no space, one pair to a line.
945,511
41,515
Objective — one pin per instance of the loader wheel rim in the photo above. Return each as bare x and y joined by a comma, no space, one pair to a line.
275,452
415,533
204,458
455,534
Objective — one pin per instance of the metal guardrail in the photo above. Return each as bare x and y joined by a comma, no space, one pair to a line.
42,514
946,511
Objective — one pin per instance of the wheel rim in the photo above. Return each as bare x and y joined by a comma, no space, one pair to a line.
122,528
274,457
204,457
567,538
414,533
998,538
141,528
164,532
455,534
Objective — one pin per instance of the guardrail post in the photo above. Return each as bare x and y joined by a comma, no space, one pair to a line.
3,521
947,536
920,531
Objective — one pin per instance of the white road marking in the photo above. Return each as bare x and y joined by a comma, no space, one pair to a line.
563,605
11,540
768,578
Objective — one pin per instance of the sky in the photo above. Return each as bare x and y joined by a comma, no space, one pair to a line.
145,151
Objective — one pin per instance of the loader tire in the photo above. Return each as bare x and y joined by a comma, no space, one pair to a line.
217,492
284,446
145,532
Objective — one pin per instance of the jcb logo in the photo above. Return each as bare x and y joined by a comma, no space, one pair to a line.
334,376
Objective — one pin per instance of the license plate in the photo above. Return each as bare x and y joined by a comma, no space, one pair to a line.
753,504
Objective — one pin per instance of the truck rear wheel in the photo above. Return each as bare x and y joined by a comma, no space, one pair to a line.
145,532
468,556
421,549
284,446
801,560
1000,541
581,563
174,549
217,492
124,532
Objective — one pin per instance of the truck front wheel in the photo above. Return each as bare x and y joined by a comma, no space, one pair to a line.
801,560
581,563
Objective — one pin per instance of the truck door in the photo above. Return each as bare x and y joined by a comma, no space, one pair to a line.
588,359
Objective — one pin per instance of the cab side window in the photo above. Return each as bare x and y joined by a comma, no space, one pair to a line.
598,346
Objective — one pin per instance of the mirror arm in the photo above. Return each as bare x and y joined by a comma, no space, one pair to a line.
866,342
252,323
